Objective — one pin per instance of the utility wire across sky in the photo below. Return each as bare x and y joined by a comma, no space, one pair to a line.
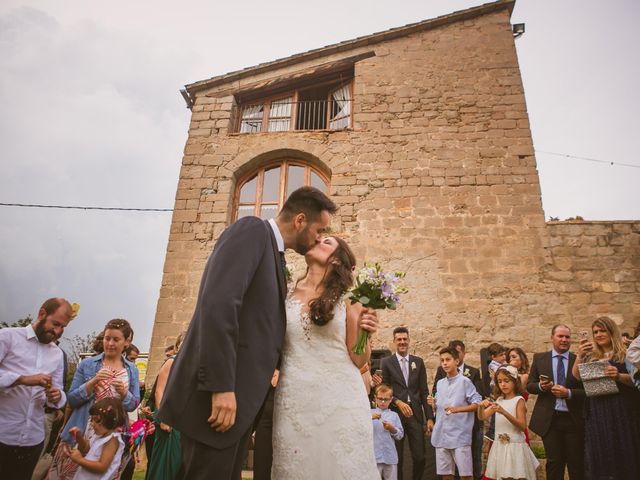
133,209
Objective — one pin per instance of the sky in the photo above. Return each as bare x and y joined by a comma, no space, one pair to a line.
92,116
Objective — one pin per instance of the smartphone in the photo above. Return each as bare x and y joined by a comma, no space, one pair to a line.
584,335
378,372
544,378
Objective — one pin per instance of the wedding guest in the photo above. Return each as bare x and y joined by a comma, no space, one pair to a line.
132,353
472,374
633,359
498,355
108,374
455,405
387,428
98,458
407,376
557,415
510,456
165,460
626,339
518,359
169,351
31,377
612,432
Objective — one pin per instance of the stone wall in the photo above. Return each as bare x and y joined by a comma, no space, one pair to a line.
595,271
437,177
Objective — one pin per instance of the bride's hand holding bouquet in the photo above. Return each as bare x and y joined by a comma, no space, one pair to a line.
375,289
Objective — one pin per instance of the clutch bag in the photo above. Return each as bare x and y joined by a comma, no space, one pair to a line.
595,382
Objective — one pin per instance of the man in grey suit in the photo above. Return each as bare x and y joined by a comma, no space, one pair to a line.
222,373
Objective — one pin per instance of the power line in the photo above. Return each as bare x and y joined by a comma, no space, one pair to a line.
76,207
131,209
589,159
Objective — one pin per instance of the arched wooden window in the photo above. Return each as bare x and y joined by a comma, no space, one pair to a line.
262,192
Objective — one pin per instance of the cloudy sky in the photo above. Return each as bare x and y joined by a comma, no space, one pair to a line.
91,115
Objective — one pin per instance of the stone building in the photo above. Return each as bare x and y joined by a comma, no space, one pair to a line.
421,136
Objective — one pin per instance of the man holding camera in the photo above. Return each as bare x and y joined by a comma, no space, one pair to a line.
557,415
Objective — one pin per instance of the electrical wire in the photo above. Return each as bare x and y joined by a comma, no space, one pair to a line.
589,159
76,207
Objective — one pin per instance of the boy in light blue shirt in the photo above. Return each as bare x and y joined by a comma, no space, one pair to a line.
387,427
456,405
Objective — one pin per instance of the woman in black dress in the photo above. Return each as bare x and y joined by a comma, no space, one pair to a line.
612,431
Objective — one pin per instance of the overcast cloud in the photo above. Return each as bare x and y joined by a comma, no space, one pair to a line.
91,115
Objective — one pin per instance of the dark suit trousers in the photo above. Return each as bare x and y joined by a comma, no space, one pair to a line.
17,463
202,462
414,433
564,446
263,451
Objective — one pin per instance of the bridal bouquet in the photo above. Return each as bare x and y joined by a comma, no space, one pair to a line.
375,289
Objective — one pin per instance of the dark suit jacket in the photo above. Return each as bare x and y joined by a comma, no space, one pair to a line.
474,376
545,404
417,390
235,337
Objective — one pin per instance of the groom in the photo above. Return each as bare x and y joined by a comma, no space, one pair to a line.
221,375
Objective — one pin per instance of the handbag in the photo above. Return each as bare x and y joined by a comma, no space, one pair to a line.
595,382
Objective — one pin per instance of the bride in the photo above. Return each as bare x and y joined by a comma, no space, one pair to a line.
322,422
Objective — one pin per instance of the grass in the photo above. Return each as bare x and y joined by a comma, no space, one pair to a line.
138,475
538,451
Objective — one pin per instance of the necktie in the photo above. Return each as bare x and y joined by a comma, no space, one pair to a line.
560,375
405,370
283,264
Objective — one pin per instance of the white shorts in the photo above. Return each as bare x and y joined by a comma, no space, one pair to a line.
448,458
388,472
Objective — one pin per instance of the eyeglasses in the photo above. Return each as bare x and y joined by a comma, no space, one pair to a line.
383,399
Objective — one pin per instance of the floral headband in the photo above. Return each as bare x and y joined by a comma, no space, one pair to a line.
510,370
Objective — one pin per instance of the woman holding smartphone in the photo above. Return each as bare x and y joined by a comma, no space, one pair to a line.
612,432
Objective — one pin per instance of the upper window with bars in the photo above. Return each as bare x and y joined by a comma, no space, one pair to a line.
328,107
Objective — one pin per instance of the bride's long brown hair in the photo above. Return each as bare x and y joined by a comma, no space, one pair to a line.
337,279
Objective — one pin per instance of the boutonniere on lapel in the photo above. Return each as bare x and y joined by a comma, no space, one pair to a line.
413,366
467,373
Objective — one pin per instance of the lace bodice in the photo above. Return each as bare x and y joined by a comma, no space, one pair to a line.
322,423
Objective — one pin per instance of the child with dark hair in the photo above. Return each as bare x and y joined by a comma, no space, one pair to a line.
498,354
456,402
510,456
99,457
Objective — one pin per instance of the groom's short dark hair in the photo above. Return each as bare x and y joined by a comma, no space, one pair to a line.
307,200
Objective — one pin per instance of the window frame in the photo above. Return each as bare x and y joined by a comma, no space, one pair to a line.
295,96
259,173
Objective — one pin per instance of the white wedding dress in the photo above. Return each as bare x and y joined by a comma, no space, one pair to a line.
322,426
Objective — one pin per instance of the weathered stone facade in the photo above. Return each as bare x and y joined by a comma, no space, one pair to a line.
437,177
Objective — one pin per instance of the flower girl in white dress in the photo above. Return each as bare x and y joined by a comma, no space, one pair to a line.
510,456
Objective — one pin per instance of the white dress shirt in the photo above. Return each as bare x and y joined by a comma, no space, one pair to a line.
404,368
278,235
22,407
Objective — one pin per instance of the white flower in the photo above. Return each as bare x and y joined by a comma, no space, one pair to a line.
413,365
467,373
